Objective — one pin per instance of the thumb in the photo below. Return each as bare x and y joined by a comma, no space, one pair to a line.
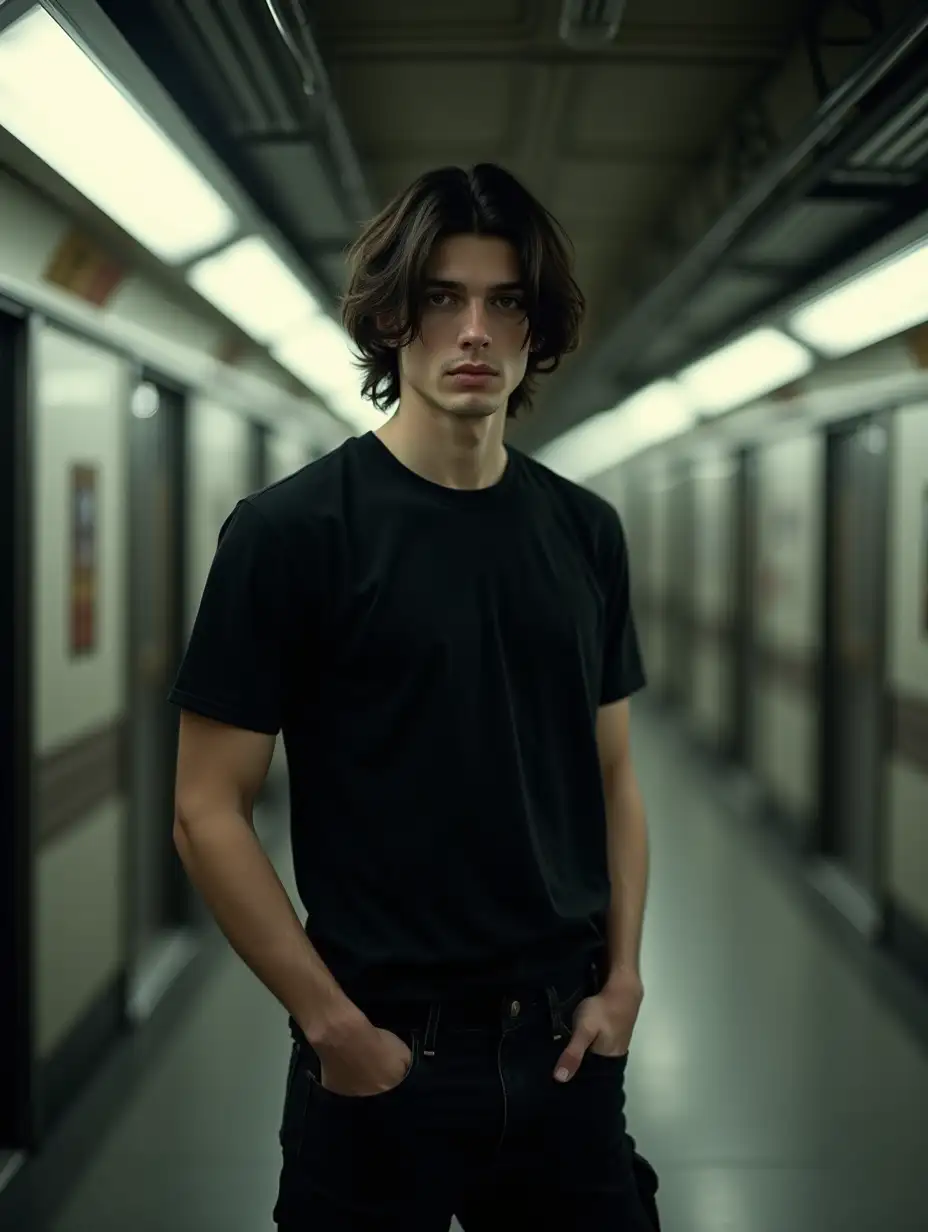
573,1054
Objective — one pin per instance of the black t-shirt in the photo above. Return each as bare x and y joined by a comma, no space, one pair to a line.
434,659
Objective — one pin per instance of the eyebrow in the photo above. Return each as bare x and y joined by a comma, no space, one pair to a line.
445,284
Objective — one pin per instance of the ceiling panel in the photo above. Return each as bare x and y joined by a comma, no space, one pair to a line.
776,18
429,105
676,109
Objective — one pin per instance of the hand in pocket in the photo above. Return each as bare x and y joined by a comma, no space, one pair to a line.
375,1064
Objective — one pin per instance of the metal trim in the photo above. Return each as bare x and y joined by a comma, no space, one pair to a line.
17,854
73,780
745,211
12,10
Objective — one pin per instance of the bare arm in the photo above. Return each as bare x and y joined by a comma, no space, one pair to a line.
628,842
220,771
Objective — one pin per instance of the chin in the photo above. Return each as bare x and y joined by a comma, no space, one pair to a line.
470,406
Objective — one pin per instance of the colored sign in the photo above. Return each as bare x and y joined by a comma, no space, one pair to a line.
917,342
232,349
83,619
81,267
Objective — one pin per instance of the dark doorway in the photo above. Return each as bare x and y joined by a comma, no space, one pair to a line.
745,564
159,895
855,615
16,1061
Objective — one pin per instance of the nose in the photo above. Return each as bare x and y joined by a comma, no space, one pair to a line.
475,331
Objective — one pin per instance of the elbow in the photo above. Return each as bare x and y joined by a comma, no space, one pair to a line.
180,832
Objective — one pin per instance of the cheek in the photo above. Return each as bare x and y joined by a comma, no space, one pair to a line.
414,358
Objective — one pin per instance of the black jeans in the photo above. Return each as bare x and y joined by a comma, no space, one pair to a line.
478,1128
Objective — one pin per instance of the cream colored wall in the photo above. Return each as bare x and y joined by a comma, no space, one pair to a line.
713,564
286,453
79,910
80,417
219,475
907,655
790,554
656,569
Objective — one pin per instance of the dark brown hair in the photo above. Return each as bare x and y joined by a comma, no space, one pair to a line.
387,266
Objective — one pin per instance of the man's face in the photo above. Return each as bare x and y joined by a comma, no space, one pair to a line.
471,352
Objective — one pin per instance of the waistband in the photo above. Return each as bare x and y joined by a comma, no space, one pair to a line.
488,1006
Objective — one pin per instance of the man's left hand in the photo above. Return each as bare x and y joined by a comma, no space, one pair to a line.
603,1024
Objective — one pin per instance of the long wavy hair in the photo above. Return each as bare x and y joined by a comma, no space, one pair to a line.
382,306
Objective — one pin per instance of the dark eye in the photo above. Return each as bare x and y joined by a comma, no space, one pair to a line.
510,303
438,299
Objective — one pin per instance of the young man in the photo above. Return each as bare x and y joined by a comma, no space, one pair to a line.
440,628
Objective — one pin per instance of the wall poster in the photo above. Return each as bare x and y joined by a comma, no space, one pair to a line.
84,547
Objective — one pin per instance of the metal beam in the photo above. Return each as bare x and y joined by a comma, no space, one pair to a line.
659,304
297,35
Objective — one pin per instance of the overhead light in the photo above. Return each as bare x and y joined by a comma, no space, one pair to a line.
318,353
885,300
653,414
63,107
253,287
745,369
145,401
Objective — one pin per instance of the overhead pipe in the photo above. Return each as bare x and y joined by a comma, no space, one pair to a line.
315,81
711,248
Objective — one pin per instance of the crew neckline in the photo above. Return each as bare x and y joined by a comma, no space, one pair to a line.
371,444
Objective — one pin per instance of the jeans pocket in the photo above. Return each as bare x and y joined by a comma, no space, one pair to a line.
412,1041
296,1100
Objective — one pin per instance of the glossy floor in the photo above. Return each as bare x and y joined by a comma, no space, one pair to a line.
779,1078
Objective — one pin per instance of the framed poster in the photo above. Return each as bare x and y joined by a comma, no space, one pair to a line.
84,564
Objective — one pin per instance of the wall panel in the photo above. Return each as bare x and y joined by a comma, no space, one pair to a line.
907,665
79,674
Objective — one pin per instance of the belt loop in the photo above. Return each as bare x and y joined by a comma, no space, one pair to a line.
432,1029
557,1023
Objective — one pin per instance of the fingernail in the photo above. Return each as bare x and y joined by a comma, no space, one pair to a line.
562,1075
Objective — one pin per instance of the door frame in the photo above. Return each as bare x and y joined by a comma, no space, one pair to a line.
744,673
835,882
145,989
17,1056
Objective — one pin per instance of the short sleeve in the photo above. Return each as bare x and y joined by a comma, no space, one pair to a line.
623,669
234,667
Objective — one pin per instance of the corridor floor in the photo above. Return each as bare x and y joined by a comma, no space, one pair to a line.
778,1080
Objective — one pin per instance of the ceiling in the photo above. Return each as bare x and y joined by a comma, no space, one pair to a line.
620,140
606,138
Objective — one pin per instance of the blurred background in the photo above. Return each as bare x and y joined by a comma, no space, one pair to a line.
745,185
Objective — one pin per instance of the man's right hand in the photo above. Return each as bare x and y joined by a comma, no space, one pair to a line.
372,1062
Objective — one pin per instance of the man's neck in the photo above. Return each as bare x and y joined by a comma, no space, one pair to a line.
453,452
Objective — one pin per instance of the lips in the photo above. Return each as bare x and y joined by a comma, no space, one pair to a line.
473,370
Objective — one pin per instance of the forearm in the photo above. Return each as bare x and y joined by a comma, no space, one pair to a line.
229,868
628,871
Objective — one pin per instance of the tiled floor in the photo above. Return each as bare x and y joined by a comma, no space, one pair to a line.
775,1083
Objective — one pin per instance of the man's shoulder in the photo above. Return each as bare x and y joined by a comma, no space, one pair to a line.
581,503
312,493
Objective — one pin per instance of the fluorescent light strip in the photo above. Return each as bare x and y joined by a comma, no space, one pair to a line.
58,103
653,414
751,366
318,353
253,287
883,301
